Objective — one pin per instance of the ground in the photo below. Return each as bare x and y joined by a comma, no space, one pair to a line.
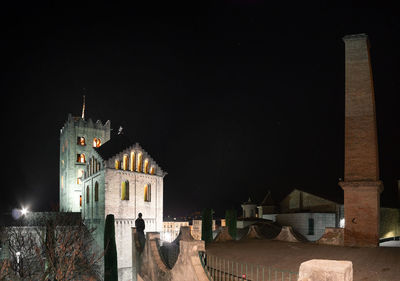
369,264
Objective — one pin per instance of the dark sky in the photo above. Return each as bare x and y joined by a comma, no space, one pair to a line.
231,98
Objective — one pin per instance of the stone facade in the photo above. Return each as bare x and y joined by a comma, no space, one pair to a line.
310,225
101,176
361,183
71,170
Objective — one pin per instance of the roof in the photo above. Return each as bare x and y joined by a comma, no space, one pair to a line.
114,146
267,200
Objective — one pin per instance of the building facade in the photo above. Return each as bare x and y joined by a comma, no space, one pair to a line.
100,175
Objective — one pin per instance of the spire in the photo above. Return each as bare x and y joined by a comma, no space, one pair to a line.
83,108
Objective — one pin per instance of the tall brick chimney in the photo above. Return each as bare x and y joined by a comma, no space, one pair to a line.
361,184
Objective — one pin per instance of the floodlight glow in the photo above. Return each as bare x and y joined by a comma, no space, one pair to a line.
24,211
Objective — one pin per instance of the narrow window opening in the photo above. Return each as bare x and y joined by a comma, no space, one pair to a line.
125,163
310,226
80,158
132,164
87,194
96,192
96,142
117,164
146,166
125,190
81,141
147,193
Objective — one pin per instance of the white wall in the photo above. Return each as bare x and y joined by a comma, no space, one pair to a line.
299,222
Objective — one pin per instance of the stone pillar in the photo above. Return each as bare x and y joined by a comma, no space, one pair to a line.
361,184
326,270
135,254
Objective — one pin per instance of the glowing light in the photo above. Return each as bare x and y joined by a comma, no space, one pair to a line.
24,211
342,223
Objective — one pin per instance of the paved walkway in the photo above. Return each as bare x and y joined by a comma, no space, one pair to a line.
369,264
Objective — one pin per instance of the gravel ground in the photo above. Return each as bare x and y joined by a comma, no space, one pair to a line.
369,264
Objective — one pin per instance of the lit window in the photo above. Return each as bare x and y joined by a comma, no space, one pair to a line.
139,162
62,163
132,164
117,164
80,141
125,162
80,200
80,158
96,142
78,181
62,181
146,166
152,170
87,194
125,190
96,191
147,193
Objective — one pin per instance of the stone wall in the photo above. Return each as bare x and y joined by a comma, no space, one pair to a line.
188,266
390,222
300,223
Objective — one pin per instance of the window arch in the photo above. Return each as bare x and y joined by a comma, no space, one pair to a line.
125,162
96,142
139,162
96,191
81,141
117,164
87,194
147,193
80,158
146,166
132,164
152,170
125,190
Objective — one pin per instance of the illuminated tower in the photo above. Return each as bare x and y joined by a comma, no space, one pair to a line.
77,139
361,184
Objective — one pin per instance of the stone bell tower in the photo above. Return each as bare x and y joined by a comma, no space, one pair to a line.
361,184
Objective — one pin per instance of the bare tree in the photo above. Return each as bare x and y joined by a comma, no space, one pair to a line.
58,250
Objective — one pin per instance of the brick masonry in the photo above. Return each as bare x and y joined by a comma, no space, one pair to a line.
361,184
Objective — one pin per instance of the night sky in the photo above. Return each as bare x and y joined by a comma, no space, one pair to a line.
231,98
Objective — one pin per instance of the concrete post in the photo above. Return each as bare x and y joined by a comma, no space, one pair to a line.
326,270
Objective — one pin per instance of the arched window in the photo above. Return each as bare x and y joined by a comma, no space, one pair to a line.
96,142
132,164
125,162
152,170
80,158
139,162
62,182
87,194
125,190
146,166
147,193
117,164
79,176
96,191
81,141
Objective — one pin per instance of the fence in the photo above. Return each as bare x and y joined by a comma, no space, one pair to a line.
219,269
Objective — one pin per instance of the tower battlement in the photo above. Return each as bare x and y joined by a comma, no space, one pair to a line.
77,121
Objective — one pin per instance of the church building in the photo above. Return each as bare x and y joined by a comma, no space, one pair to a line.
101,175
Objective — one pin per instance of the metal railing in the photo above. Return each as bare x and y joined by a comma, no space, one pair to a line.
220,269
